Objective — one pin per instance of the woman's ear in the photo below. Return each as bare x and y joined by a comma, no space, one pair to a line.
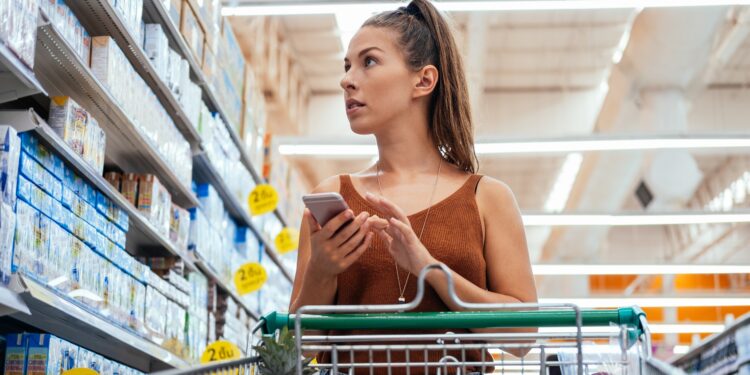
426,80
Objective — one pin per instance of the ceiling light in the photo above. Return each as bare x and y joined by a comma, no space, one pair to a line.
633,220
564,183
649,302
470,6
636,269
541,146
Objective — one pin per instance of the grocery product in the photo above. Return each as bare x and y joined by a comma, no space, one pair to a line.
10,153
18,28
79,130
179,229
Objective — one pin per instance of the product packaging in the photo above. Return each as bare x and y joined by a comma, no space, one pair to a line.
129,188
179,229
15,354
69,120
10,154
18,28
156,46
114,179
192,31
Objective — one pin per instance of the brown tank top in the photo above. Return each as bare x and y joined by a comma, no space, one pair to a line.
453,235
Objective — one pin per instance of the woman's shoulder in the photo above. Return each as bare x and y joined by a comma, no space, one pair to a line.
330,184
494,194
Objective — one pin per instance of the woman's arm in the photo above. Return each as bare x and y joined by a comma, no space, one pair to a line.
509,277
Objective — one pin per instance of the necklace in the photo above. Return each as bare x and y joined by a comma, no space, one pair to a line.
401,290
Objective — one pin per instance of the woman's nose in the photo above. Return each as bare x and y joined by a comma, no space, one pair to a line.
347,83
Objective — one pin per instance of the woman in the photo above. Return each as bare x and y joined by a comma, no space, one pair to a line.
421,203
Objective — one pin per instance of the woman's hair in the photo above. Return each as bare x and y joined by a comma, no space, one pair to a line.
426,39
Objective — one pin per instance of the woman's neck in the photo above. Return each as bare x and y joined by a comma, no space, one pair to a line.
407,150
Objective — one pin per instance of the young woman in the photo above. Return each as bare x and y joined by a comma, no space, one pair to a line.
421,203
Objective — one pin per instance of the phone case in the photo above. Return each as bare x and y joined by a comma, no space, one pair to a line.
325,206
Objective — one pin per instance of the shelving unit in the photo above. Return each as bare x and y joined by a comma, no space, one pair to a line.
712,340
62,317
142,234
63,73
208,271
100,18
16,79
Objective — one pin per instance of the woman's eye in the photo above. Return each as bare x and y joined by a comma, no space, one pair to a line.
346,68
369,61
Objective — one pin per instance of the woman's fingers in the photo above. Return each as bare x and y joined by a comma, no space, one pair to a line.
356,253
405,229
311,222
387,206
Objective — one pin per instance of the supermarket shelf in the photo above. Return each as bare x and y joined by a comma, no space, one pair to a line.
155,10
205,172
208,271
16,79
142,234
63,73
11,302
54,314
100,18
708,342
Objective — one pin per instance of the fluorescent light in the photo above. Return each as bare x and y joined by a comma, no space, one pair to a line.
470,6
650,302
564,183
633,220
540,146
636,269
680,349
349,21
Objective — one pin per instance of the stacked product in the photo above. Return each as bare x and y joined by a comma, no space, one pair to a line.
274,295
233,325
209,232
167,299
130,12
289,186
39,353
136,98
197,321
173,70
268,225
10,153
252,130
224,155
228,79
248,250
152,199
79,130
69,236
18,28
67,24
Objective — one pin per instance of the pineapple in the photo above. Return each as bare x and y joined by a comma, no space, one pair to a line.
278,355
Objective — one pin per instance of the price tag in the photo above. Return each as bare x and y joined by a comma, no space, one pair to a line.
287,240
80,371
249,278
263,199
220,351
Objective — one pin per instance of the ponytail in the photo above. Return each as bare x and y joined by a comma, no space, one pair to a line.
427,39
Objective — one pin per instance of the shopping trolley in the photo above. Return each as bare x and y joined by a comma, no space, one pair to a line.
569,340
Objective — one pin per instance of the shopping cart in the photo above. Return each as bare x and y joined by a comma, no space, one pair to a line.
569,340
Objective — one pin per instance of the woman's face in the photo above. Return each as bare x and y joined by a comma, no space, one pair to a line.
378,85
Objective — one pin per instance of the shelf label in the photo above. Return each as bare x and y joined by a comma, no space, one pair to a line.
80,371
220,351
263,199
287,240
249,278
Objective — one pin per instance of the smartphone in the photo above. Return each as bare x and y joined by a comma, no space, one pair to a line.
325,206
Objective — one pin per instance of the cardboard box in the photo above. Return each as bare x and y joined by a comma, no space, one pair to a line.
192,31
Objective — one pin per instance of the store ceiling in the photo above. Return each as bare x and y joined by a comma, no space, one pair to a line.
541,74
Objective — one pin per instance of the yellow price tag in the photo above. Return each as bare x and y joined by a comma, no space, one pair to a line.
287,240
220,351
263,199
249,278
80,371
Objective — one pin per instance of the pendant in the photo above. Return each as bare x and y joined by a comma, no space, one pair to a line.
401,300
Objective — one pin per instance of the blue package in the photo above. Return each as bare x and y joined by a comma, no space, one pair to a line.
24,189
28,142
58,167
15,354
68,197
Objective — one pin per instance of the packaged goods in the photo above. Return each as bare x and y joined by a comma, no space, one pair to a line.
129,188
114,179
156,46
10,154
179,229
69,120
18,28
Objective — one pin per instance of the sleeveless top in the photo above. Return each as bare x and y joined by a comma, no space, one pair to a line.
453,235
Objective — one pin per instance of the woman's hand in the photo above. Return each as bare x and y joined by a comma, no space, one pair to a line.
338,244
403,244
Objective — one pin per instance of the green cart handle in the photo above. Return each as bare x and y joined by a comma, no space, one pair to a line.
628,316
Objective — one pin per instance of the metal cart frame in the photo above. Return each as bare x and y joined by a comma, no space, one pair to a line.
630,331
